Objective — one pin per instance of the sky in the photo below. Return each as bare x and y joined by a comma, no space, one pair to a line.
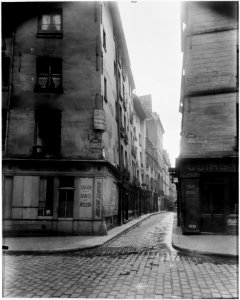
152,32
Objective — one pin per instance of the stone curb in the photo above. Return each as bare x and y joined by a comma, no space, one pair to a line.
176,245
79,248
190,251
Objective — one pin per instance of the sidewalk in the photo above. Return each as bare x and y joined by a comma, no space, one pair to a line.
223,245
54,244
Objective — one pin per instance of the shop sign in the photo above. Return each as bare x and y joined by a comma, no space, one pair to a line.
86,193
209,167
98,193
99,119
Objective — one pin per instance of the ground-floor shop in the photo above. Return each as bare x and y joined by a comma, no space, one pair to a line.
43,197
58,197
208,195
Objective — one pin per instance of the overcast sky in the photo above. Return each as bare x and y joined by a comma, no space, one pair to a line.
152,31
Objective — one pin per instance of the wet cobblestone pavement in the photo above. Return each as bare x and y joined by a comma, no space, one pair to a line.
139,264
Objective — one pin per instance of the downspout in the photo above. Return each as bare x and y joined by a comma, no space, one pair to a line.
9,94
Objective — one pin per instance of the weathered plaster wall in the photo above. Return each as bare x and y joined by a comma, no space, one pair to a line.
80,81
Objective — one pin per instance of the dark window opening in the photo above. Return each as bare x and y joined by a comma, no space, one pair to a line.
104,40
45,206
66,196
105,89
49,75
126,160
47,132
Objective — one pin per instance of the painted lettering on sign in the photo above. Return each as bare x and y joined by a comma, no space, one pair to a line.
86,194
99,119
217,167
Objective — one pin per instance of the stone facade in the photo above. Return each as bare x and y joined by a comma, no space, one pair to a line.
207,191
73,132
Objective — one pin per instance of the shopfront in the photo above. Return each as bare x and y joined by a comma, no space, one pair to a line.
208,195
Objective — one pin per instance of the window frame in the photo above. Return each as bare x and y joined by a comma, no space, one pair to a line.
47,203
49,63
44,119
67,189
50,32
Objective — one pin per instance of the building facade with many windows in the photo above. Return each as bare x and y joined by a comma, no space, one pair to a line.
73,132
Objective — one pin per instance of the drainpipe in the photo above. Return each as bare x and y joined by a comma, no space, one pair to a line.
9,93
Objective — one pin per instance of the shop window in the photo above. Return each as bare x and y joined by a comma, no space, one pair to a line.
66,196
45,205
50,24
47,132
5,70
49,75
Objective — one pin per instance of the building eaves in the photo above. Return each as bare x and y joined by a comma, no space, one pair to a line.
119,32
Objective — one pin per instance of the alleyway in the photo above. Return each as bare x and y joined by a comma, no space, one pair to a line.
139,264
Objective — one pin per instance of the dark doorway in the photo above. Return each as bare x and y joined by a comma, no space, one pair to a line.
212,207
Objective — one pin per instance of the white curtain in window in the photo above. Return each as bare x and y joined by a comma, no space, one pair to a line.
46,21
56,22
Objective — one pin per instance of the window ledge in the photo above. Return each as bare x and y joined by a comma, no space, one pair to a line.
37,89
50,34
45,217
65,219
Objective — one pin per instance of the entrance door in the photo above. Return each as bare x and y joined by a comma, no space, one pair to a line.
212,208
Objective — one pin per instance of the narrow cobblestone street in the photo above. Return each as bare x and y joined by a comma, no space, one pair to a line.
139,264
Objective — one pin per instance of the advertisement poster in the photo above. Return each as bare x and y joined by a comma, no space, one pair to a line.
86,198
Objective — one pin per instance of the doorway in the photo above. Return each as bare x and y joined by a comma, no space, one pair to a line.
212,201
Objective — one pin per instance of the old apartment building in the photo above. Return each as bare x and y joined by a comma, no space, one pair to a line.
73,133
207,168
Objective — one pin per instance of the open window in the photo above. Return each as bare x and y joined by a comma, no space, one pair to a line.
47,132
49,75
